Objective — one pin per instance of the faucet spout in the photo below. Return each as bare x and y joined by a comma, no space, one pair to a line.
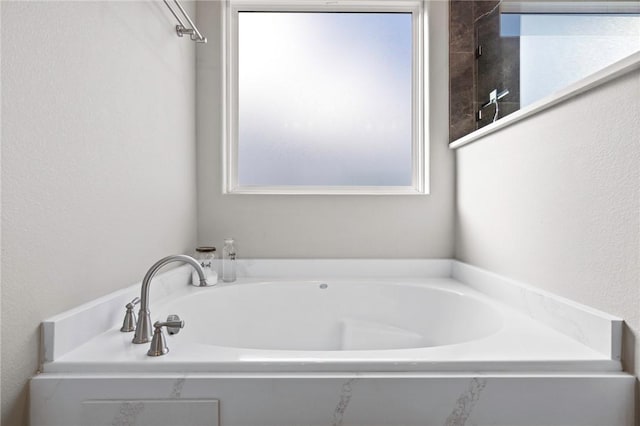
143,327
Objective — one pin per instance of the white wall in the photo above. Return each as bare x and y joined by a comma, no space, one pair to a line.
98,180
554,201
1,97
324,226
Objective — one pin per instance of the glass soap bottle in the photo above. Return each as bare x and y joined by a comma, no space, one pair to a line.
228,261
205,257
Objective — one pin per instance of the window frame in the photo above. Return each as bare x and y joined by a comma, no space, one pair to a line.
597,7
419,121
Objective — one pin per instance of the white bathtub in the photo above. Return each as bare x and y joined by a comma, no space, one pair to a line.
337,315
395,323
402,343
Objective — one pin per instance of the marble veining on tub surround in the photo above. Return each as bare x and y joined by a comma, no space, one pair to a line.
128,414
460,414
343,402
466,402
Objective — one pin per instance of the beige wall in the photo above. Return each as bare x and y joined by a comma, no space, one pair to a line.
98,158
324,226
554,201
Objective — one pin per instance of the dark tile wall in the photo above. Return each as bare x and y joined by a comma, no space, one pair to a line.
462,91
473,23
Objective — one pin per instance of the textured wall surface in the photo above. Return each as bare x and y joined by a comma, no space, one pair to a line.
98,159
0,217
554,201
325,226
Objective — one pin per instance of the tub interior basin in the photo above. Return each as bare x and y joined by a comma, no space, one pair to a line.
334,316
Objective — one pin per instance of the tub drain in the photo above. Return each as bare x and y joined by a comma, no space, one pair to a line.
323,286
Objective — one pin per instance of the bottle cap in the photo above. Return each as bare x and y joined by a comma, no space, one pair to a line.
205,249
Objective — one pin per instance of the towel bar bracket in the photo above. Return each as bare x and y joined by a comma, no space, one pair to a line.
181,29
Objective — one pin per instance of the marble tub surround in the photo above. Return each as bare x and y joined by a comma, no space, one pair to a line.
596,329
514,343
364,399
68,330
564,335
546,364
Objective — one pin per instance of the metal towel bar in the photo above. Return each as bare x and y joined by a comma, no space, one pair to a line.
192,31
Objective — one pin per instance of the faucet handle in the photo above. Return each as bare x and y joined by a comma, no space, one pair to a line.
174,324
133,303
129,323
158,343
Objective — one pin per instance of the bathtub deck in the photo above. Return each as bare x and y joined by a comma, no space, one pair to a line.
521,345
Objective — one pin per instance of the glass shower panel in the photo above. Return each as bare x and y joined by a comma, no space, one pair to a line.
497,70
557,50
524,57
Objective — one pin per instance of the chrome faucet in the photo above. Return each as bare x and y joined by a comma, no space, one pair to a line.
143,328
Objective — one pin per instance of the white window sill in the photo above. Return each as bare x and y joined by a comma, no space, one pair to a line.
327,190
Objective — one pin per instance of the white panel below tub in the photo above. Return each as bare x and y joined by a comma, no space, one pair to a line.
161,412
357,400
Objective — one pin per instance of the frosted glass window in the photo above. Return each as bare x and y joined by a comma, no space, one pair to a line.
557,50
325,99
